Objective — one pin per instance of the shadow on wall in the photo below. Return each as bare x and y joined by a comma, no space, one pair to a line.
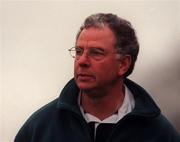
165,87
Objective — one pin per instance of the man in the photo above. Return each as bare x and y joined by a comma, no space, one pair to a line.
100,104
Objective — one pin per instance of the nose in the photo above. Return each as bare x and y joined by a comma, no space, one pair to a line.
83,60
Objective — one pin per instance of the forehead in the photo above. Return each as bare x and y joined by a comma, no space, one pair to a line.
94,36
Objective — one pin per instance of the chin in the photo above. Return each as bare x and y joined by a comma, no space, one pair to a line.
85,86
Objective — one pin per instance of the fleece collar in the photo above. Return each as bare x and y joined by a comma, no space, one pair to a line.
144,104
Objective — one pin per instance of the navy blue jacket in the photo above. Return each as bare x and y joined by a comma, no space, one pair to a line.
62,121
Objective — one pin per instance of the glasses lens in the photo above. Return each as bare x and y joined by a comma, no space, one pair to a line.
75,52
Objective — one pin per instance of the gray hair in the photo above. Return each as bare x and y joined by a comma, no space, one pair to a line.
127,42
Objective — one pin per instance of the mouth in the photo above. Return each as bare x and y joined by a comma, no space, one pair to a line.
84,77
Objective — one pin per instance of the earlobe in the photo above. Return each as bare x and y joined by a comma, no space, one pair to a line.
124,64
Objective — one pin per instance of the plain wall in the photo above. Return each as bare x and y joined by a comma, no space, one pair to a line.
35,63
1,72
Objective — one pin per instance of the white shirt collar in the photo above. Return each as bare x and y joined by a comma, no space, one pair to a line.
126,107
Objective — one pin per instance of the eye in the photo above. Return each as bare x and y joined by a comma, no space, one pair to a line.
96,52
79,51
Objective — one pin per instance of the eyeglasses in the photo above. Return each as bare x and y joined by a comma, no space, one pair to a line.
94,53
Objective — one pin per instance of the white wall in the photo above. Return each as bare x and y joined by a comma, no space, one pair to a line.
36,63
0,72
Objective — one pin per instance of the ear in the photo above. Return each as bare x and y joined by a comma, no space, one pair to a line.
124,64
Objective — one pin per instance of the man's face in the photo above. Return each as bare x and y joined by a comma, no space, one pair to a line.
90,72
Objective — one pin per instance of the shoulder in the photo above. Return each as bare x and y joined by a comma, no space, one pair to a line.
164,124
42,113
162,129
38,121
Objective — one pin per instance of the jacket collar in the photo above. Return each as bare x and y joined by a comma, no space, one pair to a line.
68,98
144,104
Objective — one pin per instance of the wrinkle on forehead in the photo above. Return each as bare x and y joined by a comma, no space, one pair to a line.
93,37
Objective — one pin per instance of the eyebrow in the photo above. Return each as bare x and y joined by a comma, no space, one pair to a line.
92,47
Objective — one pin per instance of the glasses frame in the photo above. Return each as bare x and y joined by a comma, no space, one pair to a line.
89,53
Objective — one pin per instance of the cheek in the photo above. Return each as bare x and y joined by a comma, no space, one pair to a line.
75,68
106,70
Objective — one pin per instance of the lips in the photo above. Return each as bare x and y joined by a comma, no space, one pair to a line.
84,77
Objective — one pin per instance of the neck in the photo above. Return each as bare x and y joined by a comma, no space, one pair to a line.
103,104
